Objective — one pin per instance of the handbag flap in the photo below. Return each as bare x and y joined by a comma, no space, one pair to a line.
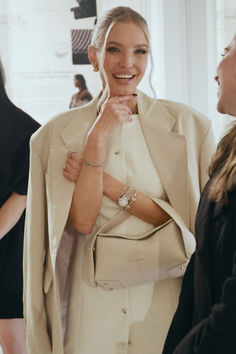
138,236
187,237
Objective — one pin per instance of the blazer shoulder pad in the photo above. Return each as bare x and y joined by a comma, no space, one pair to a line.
181,111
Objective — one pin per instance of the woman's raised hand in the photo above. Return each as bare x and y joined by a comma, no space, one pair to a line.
71,169
115,113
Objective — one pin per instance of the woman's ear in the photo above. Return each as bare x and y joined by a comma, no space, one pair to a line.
92,55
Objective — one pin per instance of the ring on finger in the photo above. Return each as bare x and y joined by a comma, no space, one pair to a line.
120,99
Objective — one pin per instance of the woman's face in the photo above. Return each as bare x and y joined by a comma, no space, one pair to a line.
125,58
226,78
76,82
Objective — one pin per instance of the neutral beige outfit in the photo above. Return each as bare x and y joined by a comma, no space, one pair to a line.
164,153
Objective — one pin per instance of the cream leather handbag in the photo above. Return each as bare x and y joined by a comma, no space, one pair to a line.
118,261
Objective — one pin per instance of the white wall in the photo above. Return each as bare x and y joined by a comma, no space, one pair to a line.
189,47
193,33
35,43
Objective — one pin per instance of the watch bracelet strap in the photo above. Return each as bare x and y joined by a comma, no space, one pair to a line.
132,199
128,193
122,192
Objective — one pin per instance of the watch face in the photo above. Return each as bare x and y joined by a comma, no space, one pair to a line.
123,202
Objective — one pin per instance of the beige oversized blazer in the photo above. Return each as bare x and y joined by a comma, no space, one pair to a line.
181,144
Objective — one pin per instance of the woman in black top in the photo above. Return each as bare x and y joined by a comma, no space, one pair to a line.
205,320
16,129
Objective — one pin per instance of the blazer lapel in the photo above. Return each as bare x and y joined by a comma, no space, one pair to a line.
169,153
76,131
73,136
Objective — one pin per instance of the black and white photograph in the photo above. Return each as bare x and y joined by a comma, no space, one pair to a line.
85,8
80,41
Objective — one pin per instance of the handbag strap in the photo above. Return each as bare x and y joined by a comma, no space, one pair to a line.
115,220
121,216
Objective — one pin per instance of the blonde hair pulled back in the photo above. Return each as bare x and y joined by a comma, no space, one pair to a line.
99,38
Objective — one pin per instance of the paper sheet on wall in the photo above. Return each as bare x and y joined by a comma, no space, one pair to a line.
36,49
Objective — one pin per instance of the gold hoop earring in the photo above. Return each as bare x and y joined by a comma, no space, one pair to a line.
95,68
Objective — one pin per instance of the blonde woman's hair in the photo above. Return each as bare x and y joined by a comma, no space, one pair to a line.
223,167
101,33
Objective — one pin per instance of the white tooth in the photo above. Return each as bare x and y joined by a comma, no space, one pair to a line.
123,76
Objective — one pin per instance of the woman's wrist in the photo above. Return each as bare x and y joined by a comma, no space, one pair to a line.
96,138
94,151
111,186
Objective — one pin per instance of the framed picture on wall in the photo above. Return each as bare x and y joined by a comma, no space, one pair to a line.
80,41
86,8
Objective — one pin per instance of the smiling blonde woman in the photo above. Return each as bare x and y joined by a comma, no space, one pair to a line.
124,150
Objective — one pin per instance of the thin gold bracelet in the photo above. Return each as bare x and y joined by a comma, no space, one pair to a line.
92,164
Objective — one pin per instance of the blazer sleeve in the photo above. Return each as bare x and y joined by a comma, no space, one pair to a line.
216,333
37,337
187,237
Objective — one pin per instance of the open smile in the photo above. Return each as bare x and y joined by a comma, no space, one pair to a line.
123,78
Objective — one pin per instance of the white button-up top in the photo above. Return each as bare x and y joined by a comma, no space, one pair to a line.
129,161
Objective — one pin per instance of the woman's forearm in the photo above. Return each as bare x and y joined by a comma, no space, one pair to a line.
10,212
87,196
143,208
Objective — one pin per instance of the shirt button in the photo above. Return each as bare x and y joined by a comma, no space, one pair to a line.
117,152
129,342
124,311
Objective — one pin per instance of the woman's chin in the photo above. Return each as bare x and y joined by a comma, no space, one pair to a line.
220,106
123,92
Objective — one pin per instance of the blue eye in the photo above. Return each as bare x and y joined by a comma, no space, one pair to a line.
141,51
112,50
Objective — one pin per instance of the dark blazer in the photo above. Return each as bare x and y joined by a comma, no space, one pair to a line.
205,320
16,130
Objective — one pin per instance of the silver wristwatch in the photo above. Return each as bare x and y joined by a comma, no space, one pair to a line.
126,197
